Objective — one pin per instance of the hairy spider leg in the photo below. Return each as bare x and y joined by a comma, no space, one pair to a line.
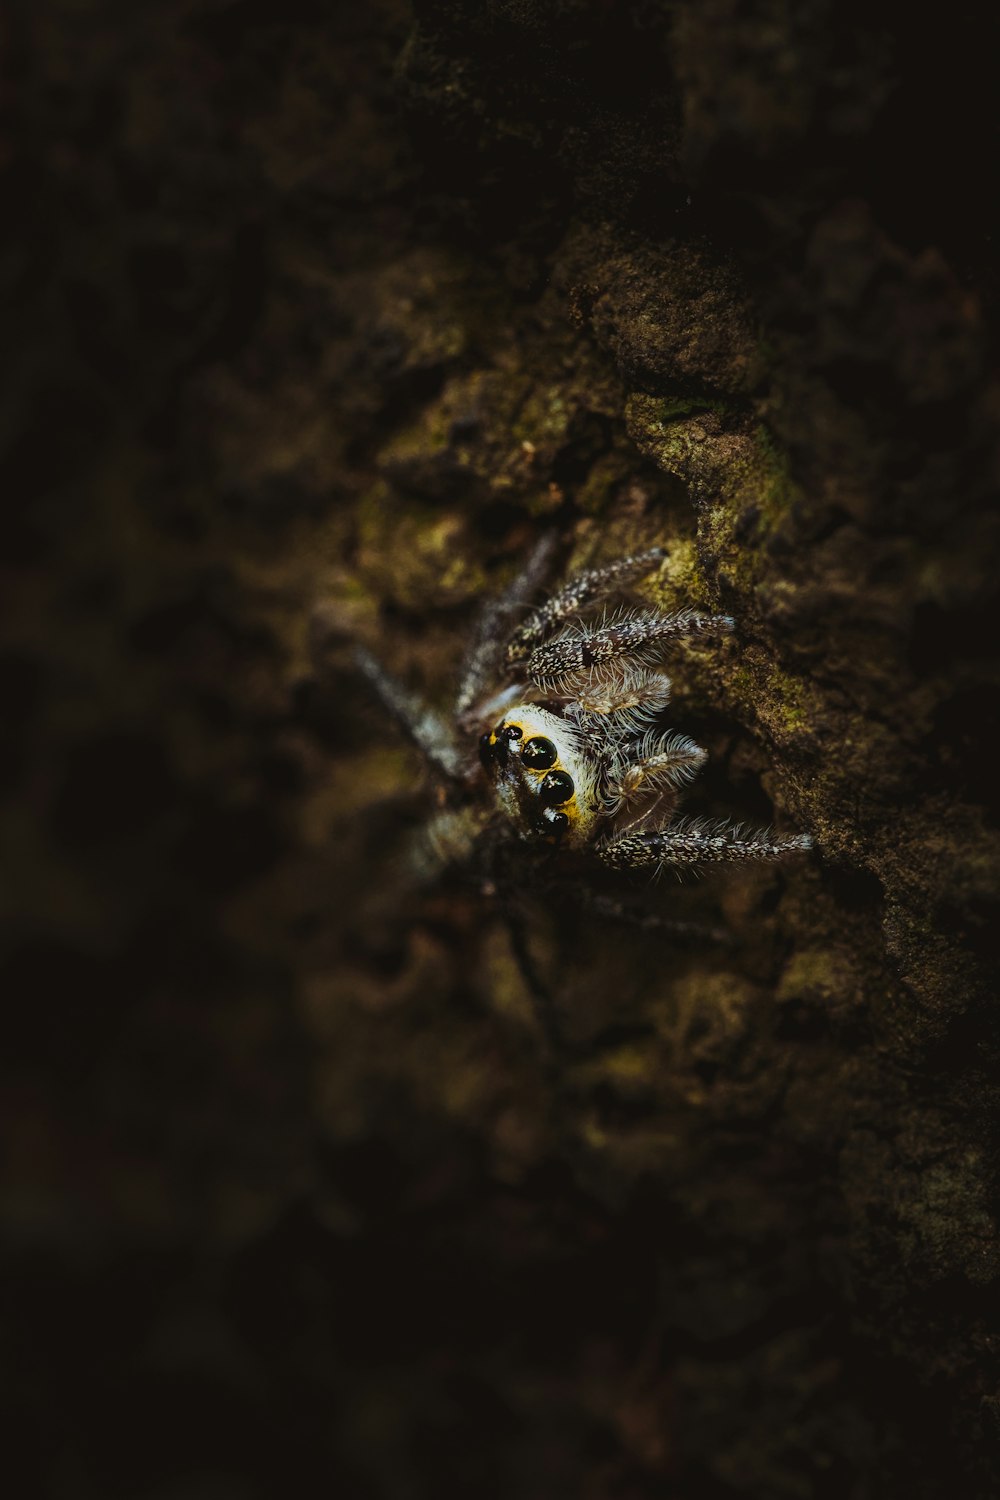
633,635
582,590
697,843
420,723
629,915
481,661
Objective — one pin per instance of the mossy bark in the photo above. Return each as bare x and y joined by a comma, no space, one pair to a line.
325,314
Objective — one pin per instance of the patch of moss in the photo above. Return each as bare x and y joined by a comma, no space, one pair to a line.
415,554
946,1219
734,472
817,974
784,704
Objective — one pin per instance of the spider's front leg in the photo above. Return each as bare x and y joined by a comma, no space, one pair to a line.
695,843
581,591
636,635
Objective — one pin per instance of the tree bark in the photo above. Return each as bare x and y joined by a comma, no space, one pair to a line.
325,314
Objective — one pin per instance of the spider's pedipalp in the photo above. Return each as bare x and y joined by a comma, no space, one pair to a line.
629,696
581,591
635,635
695,842
659,762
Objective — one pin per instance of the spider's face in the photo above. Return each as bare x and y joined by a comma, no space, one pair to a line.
541,778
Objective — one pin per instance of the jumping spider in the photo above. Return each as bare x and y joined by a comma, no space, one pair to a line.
572,758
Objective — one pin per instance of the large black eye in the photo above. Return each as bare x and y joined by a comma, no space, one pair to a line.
556,787
509,731
552,822
539,754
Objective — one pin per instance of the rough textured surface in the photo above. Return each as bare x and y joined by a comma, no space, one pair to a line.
322,313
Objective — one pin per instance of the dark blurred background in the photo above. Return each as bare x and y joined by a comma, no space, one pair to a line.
317,314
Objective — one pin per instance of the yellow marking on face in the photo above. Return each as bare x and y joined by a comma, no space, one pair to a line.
548,728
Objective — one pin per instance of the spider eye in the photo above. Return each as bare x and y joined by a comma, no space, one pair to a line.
556,787
539,754
552,822
508,731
